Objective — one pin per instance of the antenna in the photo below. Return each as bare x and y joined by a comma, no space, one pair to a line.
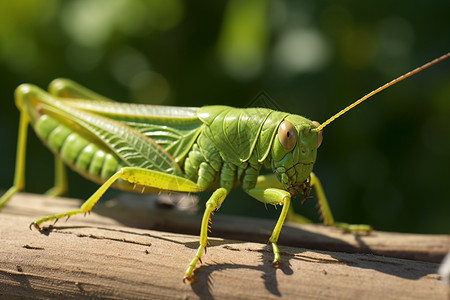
398,79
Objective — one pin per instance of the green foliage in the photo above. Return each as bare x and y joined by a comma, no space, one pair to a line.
385,163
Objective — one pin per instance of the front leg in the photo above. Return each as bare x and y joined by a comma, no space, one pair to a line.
271,180
274,196
328,216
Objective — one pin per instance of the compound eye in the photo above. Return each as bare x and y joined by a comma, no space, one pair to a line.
287,134
319,134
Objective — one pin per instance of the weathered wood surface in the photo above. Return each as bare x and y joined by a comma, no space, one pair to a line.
97,256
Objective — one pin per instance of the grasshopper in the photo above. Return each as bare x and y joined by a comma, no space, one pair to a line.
182,149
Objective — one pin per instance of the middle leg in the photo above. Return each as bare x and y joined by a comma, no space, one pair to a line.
214,202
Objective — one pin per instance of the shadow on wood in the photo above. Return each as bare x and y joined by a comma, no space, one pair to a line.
97,256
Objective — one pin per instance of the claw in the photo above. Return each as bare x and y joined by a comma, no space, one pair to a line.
35,225
188,279
276,264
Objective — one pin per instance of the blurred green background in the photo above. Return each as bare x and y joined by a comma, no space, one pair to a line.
386,163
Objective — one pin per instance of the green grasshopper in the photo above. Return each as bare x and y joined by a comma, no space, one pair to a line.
181,149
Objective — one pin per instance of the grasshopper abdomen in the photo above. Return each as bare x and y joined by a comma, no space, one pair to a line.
77,151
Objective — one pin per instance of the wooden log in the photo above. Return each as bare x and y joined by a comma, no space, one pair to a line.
96,256
148,214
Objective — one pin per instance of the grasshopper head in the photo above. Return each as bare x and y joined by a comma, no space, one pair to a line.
294,152
295,146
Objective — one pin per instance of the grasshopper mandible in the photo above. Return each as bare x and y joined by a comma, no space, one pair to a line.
183,149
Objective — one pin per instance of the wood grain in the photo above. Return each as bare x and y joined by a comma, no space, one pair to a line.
97,256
